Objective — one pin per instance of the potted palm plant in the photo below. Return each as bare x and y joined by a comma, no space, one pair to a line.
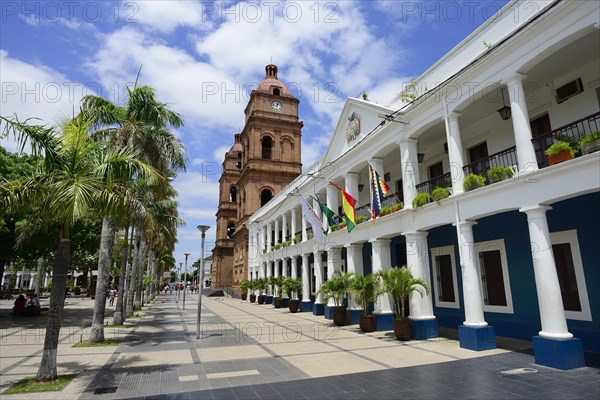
400,283
336,288
252,287
292,286
261,285
244,286
363,289
277,282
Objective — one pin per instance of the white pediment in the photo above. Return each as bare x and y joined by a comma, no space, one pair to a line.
357,119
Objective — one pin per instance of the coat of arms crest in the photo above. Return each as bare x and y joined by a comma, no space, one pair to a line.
353,128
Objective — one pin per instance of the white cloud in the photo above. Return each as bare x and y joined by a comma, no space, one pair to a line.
165,16
35,91
219,153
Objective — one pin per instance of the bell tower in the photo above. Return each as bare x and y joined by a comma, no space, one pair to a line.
269,160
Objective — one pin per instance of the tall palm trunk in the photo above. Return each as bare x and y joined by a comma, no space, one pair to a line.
155,275
133,277
118,315
138,293
104,262
149,273
62,261
39,276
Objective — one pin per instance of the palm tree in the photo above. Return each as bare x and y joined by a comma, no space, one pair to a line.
400,283
79,176
142,124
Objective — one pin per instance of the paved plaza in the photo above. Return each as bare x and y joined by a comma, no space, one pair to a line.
251,351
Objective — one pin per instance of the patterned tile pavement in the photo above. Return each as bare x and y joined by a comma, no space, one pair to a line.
250,351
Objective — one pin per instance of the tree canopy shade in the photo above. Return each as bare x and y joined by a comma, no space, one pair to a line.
79,177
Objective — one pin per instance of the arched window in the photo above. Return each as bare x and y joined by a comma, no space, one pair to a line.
232,194
230,230
276,92
267,145
265,196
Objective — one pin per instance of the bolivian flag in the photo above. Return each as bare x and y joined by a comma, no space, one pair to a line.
348,207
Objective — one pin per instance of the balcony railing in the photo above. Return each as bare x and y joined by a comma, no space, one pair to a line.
441,181
569,133
504,158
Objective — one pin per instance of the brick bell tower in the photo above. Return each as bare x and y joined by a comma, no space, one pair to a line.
265,160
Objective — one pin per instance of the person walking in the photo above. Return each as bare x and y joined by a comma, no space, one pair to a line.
112,293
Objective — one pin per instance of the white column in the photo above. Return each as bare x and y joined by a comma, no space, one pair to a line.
284,272
382,260
304,226
294,223
354,262
455,152
263,239
351,184
276,274
19,278
3,279
294,266
377,163
305,278
410,170
318,267
46,277
276,230
417,260
334,263
284,227
520,120
472,293
269,236
31,279
552,311
333,198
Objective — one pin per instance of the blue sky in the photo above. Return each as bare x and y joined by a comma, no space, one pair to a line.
205,57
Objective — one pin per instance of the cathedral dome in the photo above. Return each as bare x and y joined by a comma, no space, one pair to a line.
271,84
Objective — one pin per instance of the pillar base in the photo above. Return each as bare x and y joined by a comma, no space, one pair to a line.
477,338
285,302
318,309
352,316
328,312
306,306
560,354
424,329
384,321
268,299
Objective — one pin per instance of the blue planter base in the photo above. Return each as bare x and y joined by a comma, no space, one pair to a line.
424,329
306,306
268,299
560,354
384,322
328,312
352,316
318,309
285,302
477,338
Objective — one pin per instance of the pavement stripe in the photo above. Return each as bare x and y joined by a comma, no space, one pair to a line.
232,374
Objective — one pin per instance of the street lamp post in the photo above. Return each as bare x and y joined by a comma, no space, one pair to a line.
185,278
179,279
203,229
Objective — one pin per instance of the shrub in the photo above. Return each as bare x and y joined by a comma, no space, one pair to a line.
440,193
559,147
590,138
361,218
473,181
421,199
500,173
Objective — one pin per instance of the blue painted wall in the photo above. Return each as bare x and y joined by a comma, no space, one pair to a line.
366,252
579,213
582,214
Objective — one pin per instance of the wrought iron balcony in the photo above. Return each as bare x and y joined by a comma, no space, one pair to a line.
439,181
570,133
504,158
